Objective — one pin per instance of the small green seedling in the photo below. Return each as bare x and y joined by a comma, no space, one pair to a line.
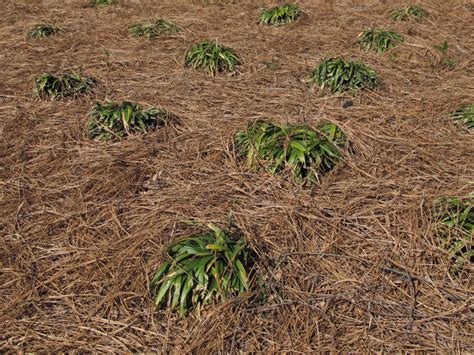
279,15
464,115
113,121
62,85
339,74
409,12
308,153
455,229
379,40
41,31
98,3
209,267
212,56
445,60
153,28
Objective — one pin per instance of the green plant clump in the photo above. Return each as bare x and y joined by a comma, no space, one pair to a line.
339,74
62,85
409,12
306,152
456,228
464,115
379,40
153,28
95,3
41,31
280,14
212,56
111,120
445,60
201,269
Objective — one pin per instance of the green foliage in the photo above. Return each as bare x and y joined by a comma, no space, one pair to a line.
409,12
464,115
306,152
212,56
445,60
111,120
66,84
456,228
201,269
95,3
154,27
379,40
41,31
280,14
339,74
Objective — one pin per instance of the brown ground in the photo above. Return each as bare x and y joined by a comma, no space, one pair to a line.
354,262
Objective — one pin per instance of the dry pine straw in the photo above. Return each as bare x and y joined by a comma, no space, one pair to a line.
354,261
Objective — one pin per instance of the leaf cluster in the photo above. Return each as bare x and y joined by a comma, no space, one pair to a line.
339,74
201,269
445,60
95,3
409,12
464,115
379,40
111,120
456,228
153,28
280,14
62,85
306,152
42,30
212,56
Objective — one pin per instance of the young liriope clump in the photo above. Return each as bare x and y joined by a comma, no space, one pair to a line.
212,56
280,14
379,40
41,31
153,28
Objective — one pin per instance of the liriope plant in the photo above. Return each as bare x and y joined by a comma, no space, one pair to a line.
409,12
153,28
379,40
212,56
307,152
339,74
97,3
42,30
113,120
62,85
209,267
464,115
280,14
455,229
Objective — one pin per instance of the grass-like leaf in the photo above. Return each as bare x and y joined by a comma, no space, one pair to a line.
444,60
379,40
307,153
153,28
455,228
42,30
339,74
212,56
409,12
280,14
200,269
96,3
111,120
62,85
464,115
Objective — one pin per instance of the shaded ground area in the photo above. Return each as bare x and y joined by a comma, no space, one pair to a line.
354,262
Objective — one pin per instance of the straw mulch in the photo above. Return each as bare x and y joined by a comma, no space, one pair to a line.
353,262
